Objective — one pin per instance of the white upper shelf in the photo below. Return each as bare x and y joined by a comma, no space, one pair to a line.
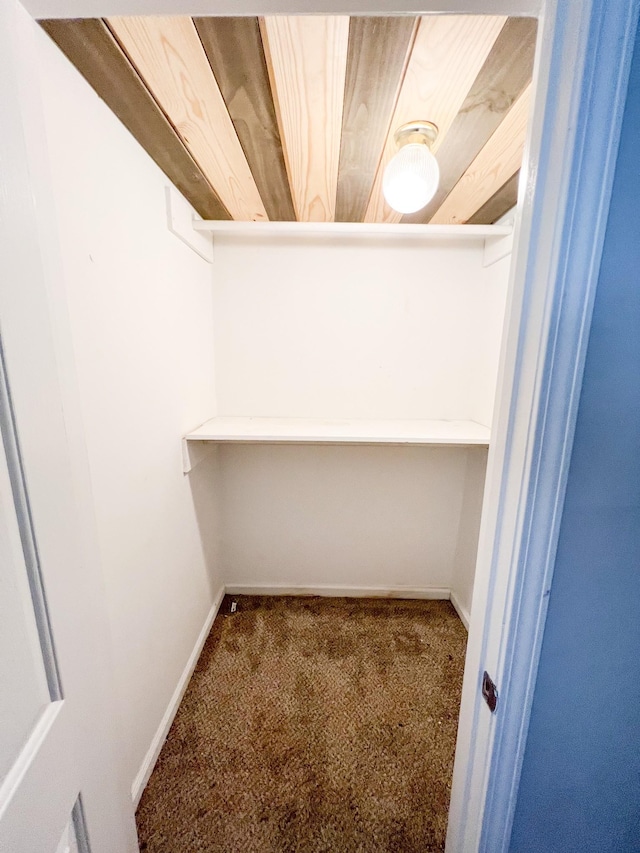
310,431
354,229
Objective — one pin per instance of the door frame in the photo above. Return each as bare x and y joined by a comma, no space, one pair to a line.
562,212
573,136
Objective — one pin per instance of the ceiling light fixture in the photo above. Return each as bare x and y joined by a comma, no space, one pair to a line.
411,177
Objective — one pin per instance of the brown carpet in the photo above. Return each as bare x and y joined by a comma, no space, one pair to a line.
313,724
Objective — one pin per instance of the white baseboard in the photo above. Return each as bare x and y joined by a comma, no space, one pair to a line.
460,610
338,591
142,777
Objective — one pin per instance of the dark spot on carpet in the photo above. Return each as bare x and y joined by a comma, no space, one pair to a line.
409,643
243,623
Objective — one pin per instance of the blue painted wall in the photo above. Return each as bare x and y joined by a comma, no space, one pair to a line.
580,785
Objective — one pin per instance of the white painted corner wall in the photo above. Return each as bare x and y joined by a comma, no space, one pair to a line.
141,318
490,320
464,562
360,328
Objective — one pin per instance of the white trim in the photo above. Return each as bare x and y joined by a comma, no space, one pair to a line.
462,612
29,753
149,761
107,8
338,591
573,135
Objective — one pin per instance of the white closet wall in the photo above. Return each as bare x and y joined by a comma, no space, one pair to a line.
340,328
490,321
464,561
382,328
140,306
358,518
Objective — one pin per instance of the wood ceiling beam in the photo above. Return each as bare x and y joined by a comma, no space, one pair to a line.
379,49
503,77
499,203
169,56
496,163
307,60
89,45
448,53
235,53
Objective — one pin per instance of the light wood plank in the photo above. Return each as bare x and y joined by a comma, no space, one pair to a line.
307,60
503,77
448,53
234,50
97,56
498,161
498,204
378,53
171,60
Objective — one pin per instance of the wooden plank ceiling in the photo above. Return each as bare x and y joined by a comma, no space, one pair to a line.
293,118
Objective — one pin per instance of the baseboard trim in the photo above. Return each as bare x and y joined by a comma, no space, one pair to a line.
460,610
148,763
339,591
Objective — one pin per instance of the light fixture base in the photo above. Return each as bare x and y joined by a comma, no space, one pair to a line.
424,132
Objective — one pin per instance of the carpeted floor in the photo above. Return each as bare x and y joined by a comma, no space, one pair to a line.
313,724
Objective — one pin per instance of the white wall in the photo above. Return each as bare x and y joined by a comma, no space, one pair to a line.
371,518
464,563
140,307
492,317
493,288
346,329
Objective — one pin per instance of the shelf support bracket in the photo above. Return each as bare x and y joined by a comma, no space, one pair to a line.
193,452
496,248
180,221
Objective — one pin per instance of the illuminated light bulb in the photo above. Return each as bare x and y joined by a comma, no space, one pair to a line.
411,177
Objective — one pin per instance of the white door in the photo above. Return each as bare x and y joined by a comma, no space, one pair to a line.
60,787
39,794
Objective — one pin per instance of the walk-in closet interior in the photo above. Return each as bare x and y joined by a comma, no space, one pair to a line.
286,386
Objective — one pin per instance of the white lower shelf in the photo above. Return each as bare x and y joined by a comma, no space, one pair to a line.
311,431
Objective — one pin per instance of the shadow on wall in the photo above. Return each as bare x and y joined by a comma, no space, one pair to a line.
205,485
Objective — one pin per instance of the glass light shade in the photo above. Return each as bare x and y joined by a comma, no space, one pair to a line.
411,178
